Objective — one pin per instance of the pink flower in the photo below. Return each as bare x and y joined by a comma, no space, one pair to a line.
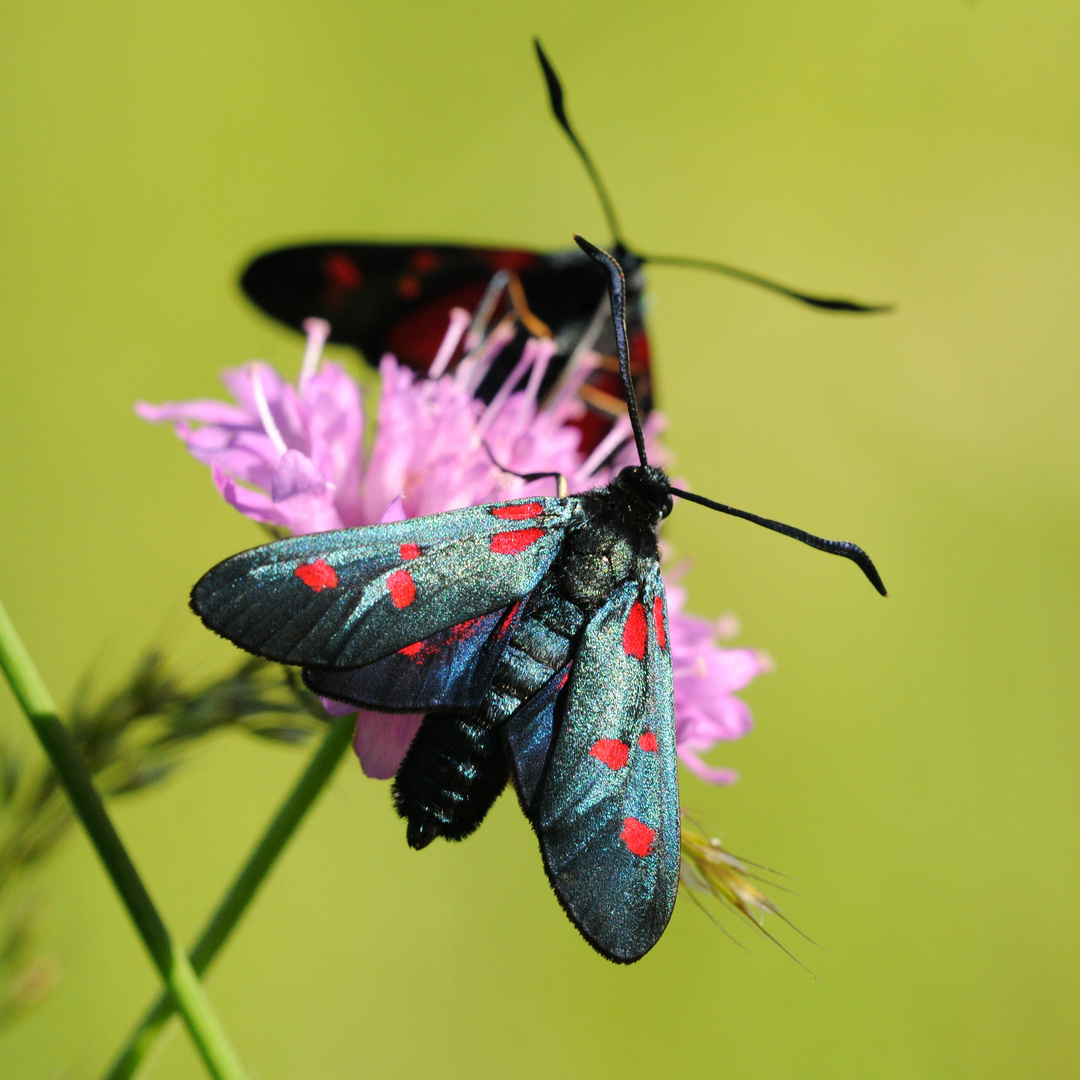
706,678
282,455
292,456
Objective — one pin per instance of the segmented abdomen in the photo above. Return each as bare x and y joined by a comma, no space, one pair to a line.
538,648
456,767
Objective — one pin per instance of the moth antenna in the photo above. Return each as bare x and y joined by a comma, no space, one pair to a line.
844,548
558,108
618,316
562,488
824,303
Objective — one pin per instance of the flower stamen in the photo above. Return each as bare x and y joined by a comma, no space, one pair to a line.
530,355
471,371
582,360
619,433
317,330
262,406
459,323
482,315
545,350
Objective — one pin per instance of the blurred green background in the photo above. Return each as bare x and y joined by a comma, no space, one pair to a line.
915,763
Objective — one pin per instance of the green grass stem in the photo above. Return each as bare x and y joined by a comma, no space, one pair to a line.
176,971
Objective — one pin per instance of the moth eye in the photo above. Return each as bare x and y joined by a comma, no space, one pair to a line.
668,506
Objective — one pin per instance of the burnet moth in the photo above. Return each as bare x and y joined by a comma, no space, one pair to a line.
396,298
534,636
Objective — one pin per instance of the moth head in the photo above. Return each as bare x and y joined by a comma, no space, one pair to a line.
650,484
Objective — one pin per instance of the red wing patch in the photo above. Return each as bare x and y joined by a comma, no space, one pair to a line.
341,271
520,512
511,543
409,551
637,836
633,637
425,650
409,286
612,752
317,575
658,618
648,742
402,588
425,261
465,630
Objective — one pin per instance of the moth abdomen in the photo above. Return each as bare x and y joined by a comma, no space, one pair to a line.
539,647
453,772
456,767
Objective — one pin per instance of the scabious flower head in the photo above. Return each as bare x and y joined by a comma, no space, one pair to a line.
292,456
706,679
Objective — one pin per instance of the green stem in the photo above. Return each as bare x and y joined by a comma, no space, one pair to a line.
176,972
235,902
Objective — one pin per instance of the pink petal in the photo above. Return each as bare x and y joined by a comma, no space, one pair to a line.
381,741
295,474
252,504
707,772
337,708
701,723
395,511
204,411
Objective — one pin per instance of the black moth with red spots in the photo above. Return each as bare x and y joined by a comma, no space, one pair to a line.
520,630
397,298
533,634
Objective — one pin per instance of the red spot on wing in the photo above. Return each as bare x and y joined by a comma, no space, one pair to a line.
402,588
317,575
637,836
424,261
422,651
409,286
415,338
341,271
507,623
507,259
612,752
409,551
510,543
648,741
658,618
520,512
633,635
465,630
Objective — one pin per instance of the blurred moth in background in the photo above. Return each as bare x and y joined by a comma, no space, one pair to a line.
396,298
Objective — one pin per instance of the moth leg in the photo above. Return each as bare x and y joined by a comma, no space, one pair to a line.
562,488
